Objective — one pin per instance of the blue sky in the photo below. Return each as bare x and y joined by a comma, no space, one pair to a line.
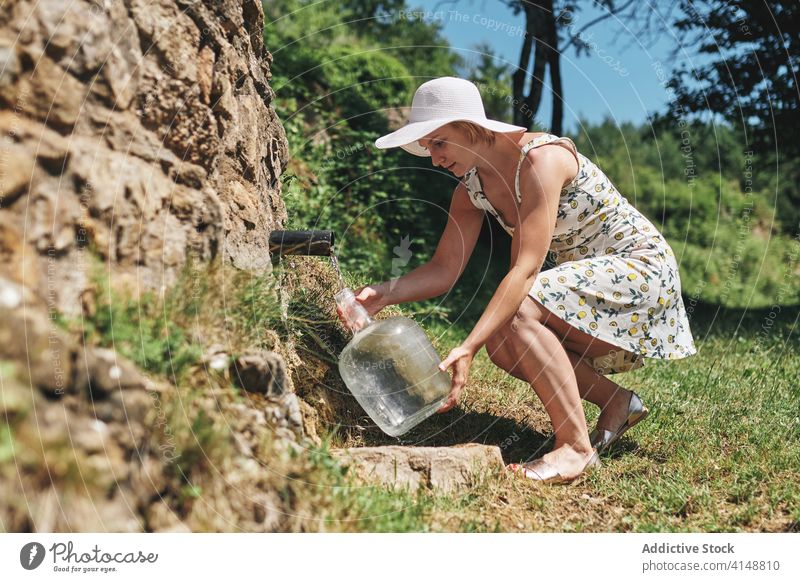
620,78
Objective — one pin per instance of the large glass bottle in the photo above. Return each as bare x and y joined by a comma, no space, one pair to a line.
391,368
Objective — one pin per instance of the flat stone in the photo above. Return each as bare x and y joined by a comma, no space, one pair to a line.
447,469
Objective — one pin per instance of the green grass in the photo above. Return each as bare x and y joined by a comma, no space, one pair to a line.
143,328
719,452
353,506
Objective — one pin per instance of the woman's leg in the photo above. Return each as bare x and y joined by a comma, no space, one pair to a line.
529,350
610,397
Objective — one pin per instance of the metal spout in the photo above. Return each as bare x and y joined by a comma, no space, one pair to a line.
301,242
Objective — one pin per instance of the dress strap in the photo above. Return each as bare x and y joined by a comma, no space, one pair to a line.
545,139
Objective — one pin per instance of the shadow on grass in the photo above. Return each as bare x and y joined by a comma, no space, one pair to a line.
521,441
517,442
712,320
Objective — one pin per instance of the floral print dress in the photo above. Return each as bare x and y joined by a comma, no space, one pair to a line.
615,277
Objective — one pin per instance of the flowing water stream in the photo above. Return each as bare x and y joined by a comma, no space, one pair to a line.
335,262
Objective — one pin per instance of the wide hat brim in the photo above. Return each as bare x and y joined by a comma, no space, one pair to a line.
407,136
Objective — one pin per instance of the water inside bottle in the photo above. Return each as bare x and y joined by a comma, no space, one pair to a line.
389,366
394,377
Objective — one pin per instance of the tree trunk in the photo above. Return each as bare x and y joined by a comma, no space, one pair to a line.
540,28
554,60
518,78
557,120
534,99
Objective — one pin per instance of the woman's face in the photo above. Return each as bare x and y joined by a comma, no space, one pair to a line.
450,149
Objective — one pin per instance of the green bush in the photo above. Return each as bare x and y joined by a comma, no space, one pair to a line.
340,79
695,189
335,93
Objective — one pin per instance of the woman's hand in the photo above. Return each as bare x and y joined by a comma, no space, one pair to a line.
460,359
371,298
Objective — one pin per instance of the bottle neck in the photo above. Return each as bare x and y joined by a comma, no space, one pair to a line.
355,316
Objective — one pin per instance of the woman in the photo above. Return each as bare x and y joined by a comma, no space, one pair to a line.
613,298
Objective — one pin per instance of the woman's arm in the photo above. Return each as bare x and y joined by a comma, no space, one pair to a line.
449,260
541,182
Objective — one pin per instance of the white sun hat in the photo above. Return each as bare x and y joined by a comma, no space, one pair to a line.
437,103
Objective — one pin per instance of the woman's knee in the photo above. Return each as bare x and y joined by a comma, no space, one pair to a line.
509,346
502,351
496,348
511,343
530,310
504,356
524,329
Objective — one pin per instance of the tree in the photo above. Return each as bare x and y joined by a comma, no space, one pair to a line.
419,45
546,27
749,79
492,79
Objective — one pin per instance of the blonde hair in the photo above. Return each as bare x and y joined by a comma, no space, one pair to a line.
475,132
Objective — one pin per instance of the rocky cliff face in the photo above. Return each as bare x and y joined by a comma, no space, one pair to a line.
134,135
139,129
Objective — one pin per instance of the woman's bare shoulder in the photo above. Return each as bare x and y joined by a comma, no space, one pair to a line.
557,161
529,136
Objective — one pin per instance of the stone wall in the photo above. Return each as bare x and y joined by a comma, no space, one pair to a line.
134,135
141,130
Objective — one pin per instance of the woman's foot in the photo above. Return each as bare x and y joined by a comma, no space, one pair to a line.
615,412
563,464
623,412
